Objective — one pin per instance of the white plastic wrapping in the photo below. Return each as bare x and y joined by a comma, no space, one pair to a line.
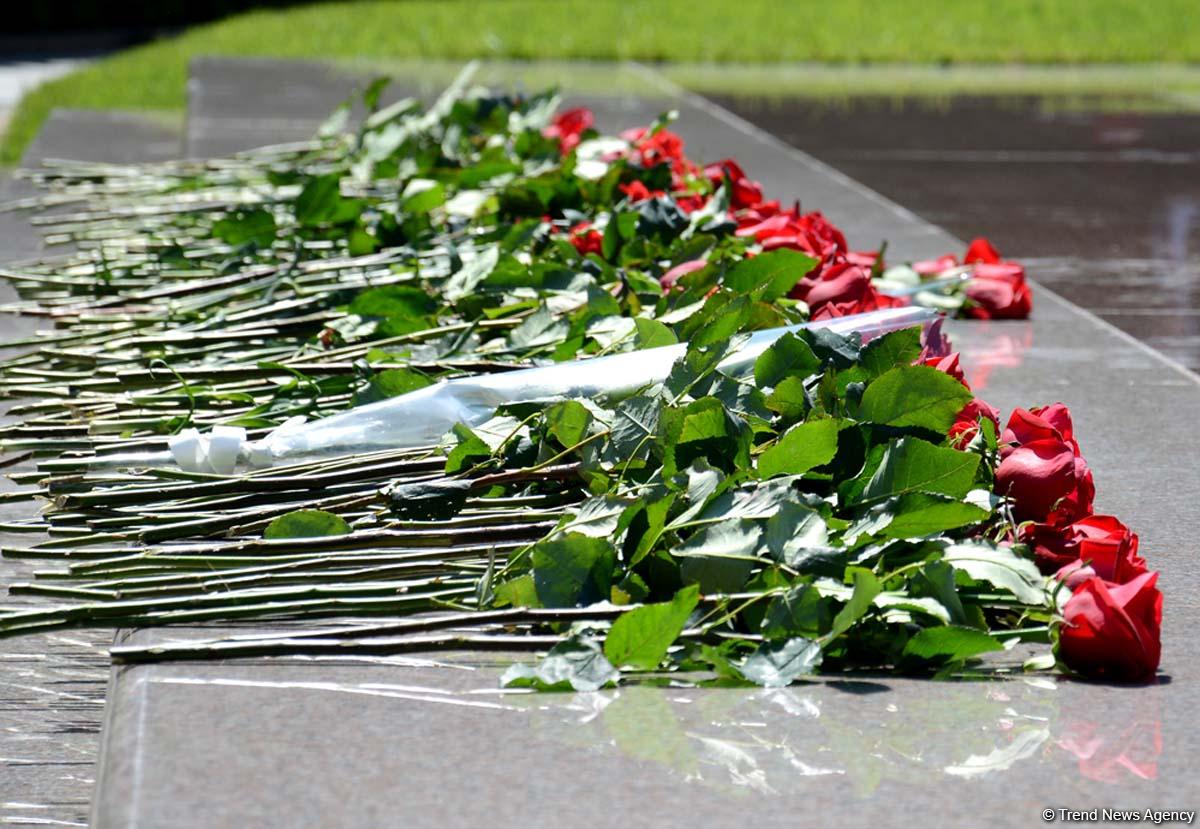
422,417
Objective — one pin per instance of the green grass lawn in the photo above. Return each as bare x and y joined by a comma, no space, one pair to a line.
695,31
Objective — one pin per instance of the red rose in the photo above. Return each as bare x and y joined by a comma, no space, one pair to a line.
1005,297
668,279
949,364
663,147
636,191
1099,543
981,251
865,258
811,233
1041,423
1111,631
1046,482
569,127
840,290
966,423
586,239
745,193
932,267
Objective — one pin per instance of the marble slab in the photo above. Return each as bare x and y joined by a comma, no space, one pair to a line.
433,742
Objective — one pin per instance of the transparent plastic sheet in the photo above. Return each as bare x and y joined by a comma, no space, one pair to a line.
422,417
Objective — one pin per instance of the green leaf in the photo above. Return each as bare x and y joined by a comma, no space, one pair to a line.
306,523
892,350
801,611
391,382
243,226
950,643
518,592
776,664
653,334
788,356
423,199
573,570
597,517
319,201
469,451
769,276
568,422
801,448
721,556
1000,567
540,328
914,465
799,537
393,301
919,396
634,426
866,588
919,514
466,279
640,637
705,430
577,664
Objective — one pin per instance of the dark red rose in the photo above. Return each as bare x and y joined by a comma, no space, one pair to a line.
966,423
842,290
586,239
1111,631
569,127
690,203
668,279
1046,482
981,251
1098,543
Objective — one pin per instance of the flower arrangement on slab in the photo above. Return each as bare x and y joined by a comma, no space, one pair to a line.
845,503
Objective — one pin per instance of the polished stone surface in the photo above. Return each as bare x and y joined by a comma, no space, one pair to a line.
1100,197
52,686
434,742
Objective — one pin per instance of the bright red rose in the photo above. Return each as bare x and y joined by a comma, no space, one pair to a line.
1099,543
636,191
966,422
586,239
663,147
745,193
690,203
1040,423
1046,482
668,279
811,233
1111,631
981,251
949,364
569,127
